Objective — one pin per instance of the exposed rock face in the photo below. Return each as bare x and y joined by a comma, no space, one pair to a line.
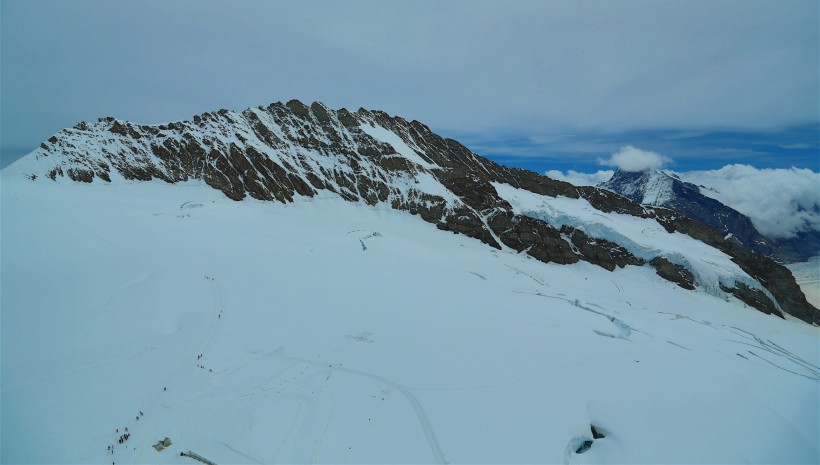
669,271
653,187
286,150
778,280
753,297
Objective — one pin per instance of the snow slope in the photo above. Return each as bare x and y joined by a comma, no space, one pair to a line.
337,332
382,134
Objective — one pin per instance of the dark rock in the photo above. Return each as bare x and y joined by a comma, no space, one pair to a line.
55,172
601,252
753,297
347,119
585,446
673,272
320,112
298,108
778,280
80,175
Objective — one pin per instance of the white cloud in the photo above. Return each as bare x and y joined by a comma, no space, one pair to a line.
631,158
780,202
580,179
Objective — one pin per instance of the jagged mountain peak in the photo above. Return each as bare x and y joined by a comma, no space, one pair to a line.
648,187
178,151
288,150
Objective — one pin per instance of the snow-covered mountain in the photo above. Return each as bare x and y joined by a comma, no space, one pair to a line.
658,188
286,150
267,286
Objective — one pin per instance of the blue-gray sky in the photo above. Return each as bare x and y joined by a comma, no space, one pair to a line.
545,85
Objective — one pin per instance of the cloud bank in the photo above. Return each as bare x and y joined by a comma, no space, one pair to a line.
581,179
780,202
631,158
467,65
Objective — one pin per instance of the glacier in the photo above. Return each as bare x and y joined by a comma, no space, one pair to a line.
421,347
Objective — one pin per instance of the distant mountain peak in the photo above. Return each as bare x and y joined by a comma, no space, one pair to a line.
648,187
658,188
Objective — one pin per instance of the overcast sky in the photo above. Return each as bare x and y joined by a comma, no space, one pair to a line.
561,80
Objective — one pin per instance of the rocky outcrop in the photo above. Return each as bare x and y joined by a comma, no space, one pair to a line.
675,273
752,297
286,150
778,280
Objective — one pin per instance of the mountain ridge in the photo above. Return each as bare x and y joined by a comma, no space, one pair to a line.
284,150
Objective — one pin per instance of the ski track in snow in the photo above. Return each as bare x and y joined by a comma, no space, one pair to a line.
624,330
418,409
519,272
775,349
424,422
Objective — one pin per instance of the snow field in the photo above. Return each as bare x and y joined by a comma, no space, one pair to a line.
421,347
